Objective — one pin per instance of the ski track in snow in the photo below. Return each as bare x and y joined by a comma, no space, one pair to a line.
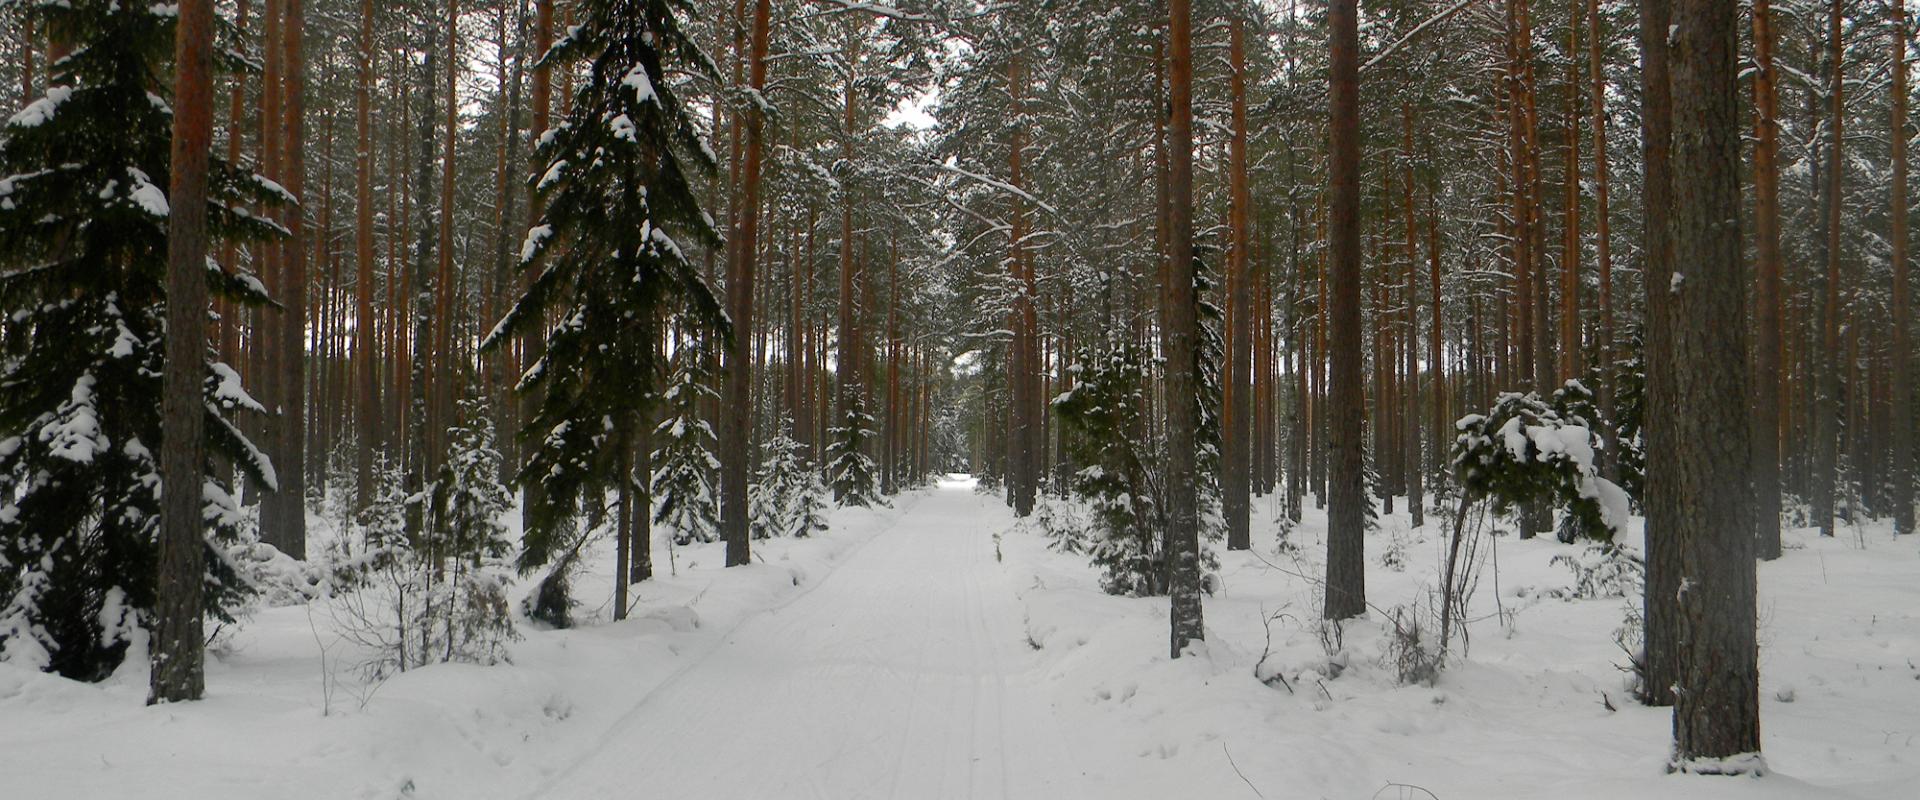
903,673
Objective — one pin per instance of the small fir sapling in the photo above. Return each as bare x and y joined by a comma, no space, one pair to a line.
1103,415
685,475
850,471
439,594
787,498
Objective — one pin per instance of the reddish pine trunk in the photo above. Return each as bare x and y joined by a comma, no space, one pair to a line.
1234,482
735,426
178,643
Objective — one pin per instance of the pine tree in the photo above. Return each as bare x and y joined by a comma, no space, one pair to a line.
1346,558
1703,452
606,260
83,226
686,473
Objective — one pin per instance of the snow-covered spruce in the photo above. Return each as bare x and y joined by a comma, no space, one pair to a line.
787,497
439,594
83,256
1525,449
1103,415
606,260
685,480
850,471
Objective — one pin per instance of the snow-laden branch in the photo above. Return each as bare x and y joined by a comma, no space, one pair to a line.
876,9
1001,185
1436,19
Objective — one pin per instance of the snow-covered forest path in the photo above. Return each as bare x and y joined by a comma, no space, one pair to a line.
904,673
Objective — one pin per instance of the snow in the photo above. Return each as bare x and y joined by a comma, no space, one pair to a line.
637,80
150,198
622,127
38,112
228,391
552,175
938,649
536,235
74,434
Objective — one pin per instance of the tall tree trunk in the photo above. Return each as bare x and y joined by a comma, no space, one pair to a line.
1571,364
1900,470
1410,387
847,360
1535,517
420,360
532,348
736,424
289,503
1023,380
178,644
890,463
1234,488
1436,360
1663,516
443,386
1346,513
260,346
1716,714
623,517
1182,542
1603,242
1764,389
1827,408
365,351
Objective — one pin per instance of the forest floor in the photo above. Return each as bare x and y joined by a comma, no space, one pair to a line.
937,649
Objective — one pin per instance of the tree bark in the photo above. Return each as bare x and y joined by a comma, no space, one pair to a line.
443,383
1023,382
1663,517
1717,708
1182,538
1765,388
1234,488
1411,466
1900,469
178,642
1571,363
1603,242
365,351
847,359
736,424
1826,406
289,504
1346,513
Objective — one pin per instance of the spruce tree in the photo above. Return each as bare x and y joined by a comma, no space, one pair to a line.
787,497
850,471
1103,414
83,258
685,476
469,502
607,261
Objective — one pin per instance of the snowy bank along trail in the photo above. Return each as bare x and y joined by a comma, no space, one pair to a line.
938,648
